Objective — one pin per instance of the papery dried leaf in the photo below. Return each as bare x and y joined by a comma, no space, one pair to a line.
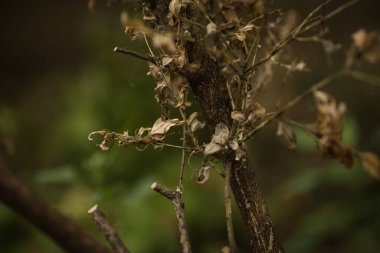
194,123
203,174
212,148
257,112
181,59
234,145
238,116
161,127
370,163
102,132
247,28
240,36
211,28
166,60
108,140
368,43
221,134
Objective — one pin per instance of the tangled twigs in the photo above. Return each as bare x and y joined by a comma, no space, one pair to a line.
107,230
319,85
175,197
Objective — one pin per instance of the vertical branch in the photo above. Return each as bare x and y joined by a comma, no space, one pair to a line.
107,230
227,202
183,159
175,197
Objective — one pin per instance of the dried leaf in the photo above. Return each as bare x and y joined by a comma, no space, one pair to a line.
211,28
194,123
221,134
164,41
166,60
212,148
238,116
160,127
234,145
203,174
371,164
329,128
368,43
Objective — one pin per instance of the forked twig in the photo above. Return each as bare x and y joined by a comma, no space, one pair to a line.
176,198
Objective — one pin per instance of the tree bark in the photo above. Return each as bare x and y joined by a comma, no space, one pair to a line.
69,235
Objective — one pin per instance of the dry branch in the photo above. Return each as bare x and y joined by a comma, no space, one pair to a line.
69,235
107,230
175,197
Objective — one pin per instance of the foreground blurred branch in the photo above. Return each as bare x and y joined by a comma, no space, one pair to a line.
69,235
107,230
175,197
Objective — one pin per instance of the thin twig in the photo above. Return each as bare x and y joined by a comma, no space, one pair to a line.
300,29
147,58
107,230
227,203
175,197
365,77
183,158
319,85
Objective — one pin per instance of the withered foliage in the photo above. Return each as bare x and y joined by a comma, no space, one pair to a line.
247,44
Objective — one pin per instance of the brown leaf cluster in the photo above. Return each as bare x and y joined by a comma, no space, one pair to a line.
329,128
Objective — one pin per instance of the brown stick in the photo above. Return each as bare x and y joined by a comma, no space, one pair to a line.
69,235
175,197
227,201
146,58
107,230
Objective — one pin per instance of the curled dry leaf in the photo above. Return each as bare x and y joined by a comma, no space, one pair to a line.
368,43
219,139
238,116
161,127
203,174
108,139
174,10
211,28
212,148
371,164
194,123
329,128
221,134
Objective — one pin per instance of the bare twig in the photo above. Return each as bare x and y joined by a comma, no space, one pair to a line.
30,205
303,27
319,85
365,77
183,158
147,58
227,203
175,197
107,230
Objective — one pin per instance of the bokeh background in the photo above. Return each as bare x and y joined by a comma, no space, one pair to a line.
60,80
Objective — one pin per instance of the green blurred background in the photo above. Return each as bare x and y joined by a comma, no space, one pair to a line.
60,80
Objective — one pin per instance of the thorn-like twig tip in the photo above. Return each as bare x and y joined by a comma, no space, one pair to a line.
93,209
153,186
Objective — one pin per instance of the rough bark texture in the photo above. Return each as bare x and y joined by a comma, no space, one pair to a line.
209,87
30,205
211,93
